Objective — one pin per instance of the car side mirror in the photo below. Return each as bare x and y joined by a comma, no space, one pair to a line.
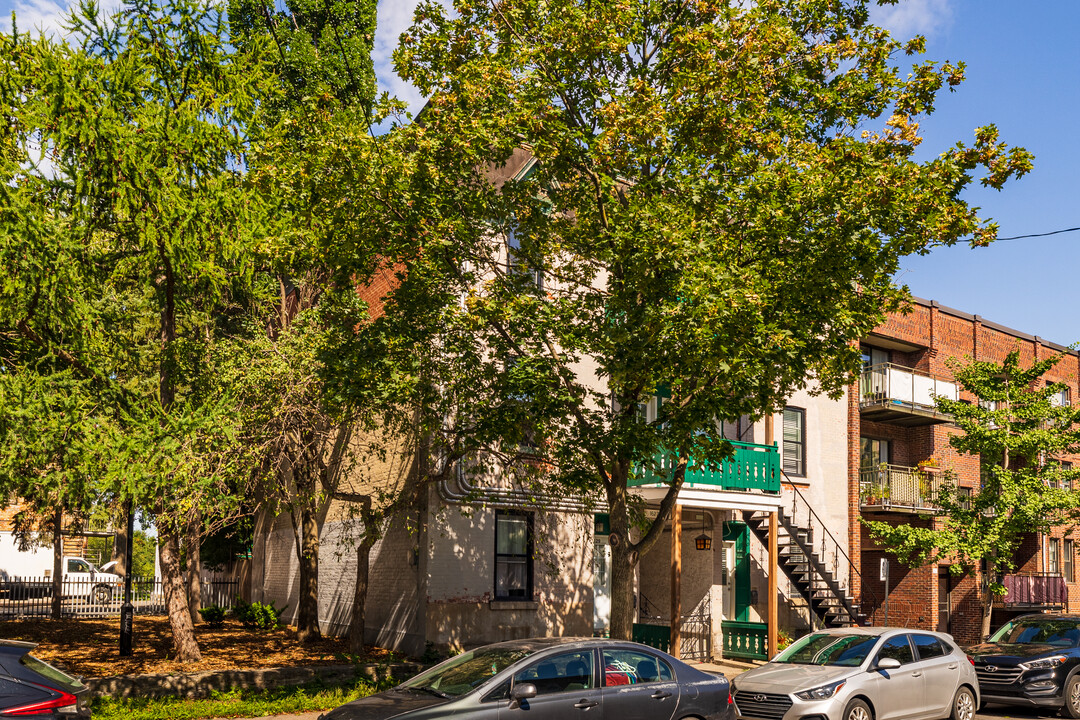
887,664
521,692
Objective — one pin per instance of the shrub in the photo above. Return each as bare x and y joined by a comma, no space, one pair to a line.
214,616
263,616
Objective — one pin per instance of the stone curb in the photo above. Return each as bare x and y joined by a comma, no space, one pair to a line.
202,684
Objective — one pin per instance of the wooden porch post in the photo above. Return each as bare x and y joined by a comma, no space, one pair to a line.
774,566
676,580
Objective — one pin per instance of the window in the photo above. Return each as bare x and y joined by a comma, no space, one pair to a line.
1053,555
872,453
77,566
566,672
631,667
898,648
513,555
872,356
1060,398
928,646
1070,575
964,497
794,441
516,264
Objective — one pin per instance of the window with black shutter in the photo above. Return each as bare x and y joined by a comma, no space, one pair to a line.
794,441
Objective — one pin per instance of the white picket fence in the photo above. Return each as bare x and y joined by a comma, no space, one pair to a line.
32,597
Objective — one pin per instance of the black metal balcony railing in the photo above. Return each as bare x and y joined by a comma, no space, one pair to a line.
903,396
1035,590
900,489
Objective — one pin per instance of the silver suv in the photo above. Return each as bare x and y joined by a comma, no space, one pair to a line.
861,674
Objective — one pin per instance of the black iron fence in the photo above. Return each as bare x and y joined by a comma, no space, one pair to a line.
32,597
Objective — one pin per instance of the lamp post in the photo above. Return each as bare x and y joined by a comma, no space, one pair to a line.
127,610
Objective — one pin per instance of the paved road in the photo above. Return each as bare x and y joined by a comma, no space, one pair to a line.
990,712
996,712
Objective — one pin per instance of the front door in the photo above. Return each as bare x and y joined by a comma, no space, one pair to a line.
943,599
727,579
601,584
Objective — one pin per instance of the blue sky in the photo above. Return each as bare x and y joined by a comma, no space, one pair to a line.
1023,75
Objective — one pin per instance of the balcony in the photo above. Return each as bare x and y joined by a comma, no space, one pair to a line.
1034,591
895,488
901,396
751,468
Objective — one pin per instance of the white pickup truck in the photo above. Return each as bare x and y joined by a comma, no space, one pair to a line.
28,573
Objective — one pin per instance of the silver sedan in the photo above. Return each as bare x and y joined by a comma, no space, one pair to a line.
862,674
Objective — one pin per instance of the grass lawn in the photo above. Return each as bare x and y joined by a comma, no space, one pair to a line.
247,703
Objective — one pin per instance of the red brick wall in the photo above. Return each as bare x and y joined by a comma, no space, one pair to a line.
941,334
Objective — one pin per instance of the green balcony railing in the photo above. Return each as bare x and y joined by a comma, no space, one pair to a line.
752,467
745,640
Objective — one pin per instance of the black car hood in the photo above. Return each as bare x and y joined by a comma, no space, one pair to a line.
1012,653
383,706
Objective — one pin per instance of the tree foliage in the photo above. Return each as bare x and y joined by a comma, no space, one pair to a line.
127,228
716,199
322,50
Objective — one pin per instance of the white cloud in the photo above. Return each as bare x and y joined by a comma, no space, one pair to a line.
913,17
394,18
45,16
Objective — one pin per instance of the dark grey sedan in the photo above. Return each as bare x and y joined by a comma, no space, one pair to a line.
552,679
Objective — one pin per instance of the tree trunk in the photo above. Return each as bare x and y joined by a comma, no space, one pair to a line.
58,565
307,616
172,581
988,608
194,571
119,551
623,563
359,608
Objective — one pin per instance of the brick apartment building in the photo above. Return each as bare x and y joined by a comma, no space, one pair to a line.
892,430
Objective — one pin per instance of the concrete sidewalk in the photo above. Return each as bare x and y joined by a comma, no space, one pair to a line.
730,668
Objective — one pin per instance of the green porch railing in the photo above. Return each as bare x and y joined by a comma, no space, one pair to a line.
657,636
746,640
752,467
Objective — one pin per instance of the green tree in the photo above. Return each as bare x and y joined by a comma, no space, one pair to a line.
601,200
322,51
123,247
1016,431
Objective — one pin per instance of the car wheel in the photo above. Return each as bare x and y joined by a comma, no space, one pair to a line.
963,705
857,710
100,595
1071,708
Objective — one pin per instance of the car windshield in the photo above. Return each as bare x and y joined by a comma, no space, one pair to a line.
847,650
462,674
1063,633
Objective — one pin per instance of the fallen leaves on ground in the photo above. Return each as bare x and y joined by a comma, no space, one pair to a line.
90,648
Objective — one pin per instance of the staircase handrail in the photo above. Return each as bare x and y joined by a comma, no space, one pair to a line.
838,549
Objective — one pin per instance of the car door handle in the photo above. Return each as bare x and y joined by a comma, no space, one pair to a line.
585,704
660,695
917,674
953,666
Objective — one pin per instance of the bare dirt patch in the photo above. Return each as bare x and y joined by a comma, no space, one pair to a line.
90,648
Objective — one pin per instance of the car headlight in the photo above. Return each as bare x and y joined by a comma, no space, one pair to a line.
821,693
1043,663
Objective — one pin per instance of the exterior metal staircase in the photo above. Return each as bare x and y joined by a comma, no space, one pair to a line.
814,562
